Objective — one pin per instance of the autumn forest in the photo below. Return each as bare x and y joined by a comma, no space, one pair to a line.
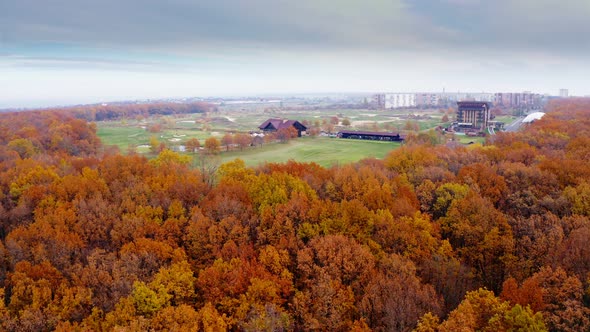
490,237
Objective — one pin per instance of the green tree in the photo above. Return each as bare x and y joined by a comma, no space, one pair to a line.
24,147
177,281
482,311
148,301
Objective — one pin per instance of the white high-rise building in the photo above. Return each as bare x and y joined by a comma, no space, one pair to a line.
563,93
399,100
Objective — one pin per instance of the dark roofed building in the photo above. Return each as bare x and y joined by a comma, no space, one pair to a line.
371,135
272,125
473,115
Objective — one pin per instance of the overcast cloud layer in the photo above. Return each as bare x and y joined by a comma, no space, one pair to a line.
67,51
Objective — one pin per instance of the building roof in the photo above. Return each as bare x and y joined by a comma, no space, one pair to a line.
474,104
369,133
287,123
277,124
532,117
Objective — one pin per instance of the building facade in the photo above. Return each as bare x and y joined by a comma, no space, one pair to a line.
564,93
273,125
400,100
473,115
378,101
524,100
428,100
371,135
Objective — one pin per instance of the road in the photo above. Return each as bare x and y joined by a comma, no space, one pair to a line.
515,125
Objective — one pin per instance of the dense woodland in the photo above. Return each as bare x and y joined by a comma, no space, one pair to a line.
105,112
432,238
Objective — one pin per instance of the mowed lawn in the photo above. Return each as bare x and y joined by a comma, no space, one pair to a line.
322,150
125,136
122,136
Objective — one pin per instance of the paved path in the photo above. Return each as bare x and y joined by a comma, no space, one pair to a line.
515,125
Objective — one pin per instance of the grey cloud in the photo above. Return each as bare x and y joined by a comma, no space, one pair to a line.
146,22
82,63
177,23
546,26
512,26
553,26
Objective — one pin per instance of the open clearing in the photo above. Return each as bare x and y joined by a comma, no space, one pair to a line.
322,150
123,136
175,130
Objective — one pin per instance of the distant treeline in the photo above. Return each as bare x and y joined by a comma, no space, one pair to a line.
31,134
66,130
104,112
114,112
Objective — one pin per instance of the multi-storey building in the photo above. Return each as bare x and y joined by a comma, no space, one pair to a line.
400,100
378,101
524,100
564,93
473,115
468,96
427,99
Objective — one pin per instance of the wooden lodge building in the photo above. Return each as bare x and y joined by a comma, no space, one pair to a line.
371,135
272,125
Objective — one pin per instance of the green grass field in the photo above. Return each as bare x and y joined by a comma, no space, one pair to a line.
322,150
464,139
122,136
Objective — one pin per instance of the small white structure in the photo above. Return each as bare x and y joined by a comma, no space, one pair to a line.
533,117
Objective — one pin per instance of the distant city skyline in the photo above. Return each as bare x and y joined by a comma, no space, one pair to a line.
70,52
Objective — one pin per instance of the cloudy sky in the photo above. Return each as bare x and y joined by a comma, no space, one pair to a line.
81,51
